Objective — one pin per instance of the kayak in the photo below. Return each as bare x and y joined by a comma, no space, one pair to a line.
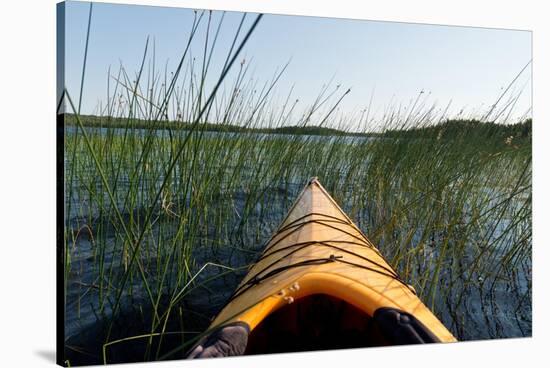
319,284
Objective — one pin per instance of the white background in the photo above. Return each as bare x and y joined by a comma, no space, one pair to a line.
27,180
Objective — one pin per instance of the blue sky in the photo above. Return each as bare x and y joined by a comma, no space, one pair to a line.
392,62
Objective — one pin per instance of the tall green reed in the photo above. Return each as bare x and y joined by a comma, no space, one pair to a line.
451,213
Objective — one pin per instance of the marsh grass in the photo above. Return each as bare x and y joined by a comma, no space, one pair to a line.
161,223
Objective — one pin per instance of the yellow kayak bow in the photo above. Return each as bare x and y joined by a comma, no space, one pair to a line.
319,284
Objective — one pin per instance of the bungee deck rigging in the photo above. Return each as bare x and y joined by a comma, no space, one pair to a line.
320,283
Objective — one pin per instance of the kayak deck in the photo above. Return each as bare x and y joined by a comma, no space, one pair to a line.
318,255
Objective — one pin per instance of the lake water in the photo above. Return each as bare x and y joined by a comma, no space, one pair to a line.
494,310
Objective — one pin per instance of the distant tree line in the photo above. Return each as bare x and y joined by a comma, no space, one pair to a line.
111,122
518,133
451,129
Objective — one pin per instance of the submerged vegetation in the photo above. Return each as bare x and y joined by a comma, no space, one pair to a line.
161,224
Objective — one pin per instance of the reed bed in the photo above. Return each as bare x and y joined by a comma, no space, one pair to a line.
162,222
